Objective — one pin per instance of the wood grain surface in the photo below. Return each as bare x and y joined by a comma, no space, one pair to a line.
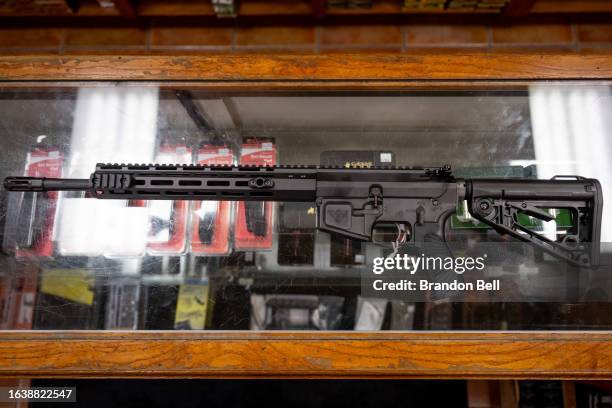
339,67
563,355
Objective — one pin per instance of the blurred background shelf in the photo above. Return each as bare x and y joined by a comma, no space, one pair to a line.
316,8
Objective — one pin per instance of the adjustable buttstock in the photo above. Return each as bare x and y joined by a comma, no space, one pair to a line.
500,202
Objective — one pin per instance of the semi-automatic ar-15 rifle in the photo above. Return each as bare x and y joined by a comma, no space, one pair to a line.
355,202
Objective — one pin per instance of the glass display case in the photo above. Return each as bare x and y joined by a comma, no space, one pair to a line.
74,262
232,287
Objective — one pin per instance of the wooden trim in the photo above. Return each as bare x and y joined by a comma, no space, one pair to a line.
569,394
477,355
326,67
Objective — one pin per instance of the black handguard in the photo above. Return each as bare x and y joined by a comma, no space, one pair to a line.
354,202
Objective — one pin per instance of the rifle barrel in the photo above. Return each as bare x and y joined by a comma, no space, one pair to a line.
34,184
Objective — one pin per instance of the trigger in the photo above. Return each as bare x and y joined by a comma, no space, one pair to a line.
400,239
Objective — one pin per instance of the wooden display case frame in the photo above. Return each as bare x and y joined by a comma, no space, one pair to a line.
451,354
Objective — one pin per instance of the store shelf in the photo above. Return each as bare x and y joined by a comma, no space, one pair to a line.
262,8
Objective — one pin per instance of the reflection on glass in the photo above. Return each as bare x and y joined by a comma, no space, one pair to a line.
111,125
71,262
571,136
